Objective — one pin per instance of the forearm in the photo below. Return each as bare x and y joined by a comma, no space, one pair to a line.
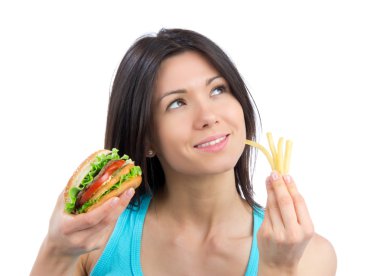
49,262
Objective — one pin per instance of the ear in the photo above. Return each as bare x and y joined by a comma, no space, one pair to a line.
150,153
149,149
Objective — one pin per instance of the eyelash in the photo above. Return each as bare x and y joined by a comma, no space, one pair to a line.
222,88
176,100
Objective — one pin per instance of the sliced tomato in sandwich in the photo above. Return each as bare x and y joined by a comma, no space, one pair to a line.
100,179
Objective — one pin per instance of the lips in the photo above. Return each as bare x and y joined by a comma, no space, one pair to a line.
213,143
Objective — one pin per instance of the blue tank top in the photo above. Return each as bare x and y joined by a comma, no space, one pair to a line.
121,256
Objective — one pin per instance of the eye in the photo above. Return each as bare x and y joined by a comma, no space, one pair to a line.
176,104
218,90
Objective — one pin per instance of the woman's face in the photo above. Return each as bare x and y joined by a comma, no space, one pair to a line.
198,124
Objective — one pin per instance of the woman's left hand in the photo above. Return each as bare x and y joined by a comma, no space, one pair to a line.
286,230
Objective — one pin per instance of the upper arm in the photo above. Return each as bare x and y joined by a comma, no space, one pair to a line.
319,258
81,265
86,263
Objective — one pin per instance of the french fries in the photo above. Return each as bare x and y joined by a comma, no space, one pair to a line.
277,158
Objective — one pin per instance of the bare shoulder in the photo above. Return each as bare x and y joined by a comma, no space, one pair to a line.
319,258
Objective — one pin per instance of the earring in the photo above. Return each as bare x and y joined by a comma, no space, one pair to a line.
150,153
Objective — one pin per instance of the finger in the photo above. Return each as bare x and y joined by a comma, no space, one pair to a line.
273,209
125,199
303,216
93,237
284,200
59,207
106,213
113,215
267,222
266,229
90,219
59,204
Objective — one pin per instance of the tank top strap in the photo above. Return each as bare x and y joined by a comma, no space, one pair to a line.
253,263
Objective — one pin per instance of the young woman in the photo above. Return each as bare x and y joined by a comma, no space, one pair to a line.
181,110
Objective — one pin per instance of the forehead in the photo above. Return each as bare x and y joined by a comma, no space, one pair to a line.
181,70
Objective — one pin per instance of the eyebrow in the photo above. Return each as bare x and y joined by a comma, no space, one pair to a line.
210,80
182,91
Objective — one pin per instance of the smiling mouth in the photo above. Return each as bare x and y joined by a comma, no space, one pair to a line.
211,143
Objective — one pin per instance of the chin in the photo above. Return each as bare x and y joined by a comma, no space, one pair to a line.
218,166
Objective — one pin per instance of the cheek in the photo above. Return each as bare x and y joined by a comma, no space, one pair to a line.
171,131
170,140
235,116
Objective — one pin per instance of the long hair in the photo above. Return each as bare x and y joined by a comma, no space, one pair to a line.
129,121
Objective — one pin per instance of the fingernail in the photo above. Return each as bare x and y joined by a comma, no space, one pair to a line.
287,179
130,192
115,202
274,176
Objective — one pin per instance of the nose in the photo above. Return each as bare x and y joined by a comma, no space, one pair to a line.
205,117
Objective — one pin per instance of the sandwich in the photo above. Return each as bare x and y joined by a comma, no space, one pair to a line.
104,174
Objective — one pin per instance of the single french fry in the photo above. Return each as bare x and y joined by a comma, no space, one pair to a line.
272,147
280,156
264,150
288,153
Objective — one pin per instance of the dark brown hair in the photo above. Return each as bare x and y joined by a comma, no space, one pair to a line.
129,121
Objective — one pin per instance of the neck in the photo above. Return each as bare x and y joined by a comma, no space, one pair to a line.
203,201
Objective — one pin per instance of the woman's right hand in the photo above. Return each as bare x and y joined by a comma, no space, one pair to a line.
286,230
70,236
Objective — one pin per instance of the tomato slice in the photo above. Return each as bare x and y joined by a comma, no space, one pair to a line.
91,189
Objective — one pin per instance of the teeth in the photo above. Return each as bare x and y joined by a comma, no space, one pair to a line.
211,143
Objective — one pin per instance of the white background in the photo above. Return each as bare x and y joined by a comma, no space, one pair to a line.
313,68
